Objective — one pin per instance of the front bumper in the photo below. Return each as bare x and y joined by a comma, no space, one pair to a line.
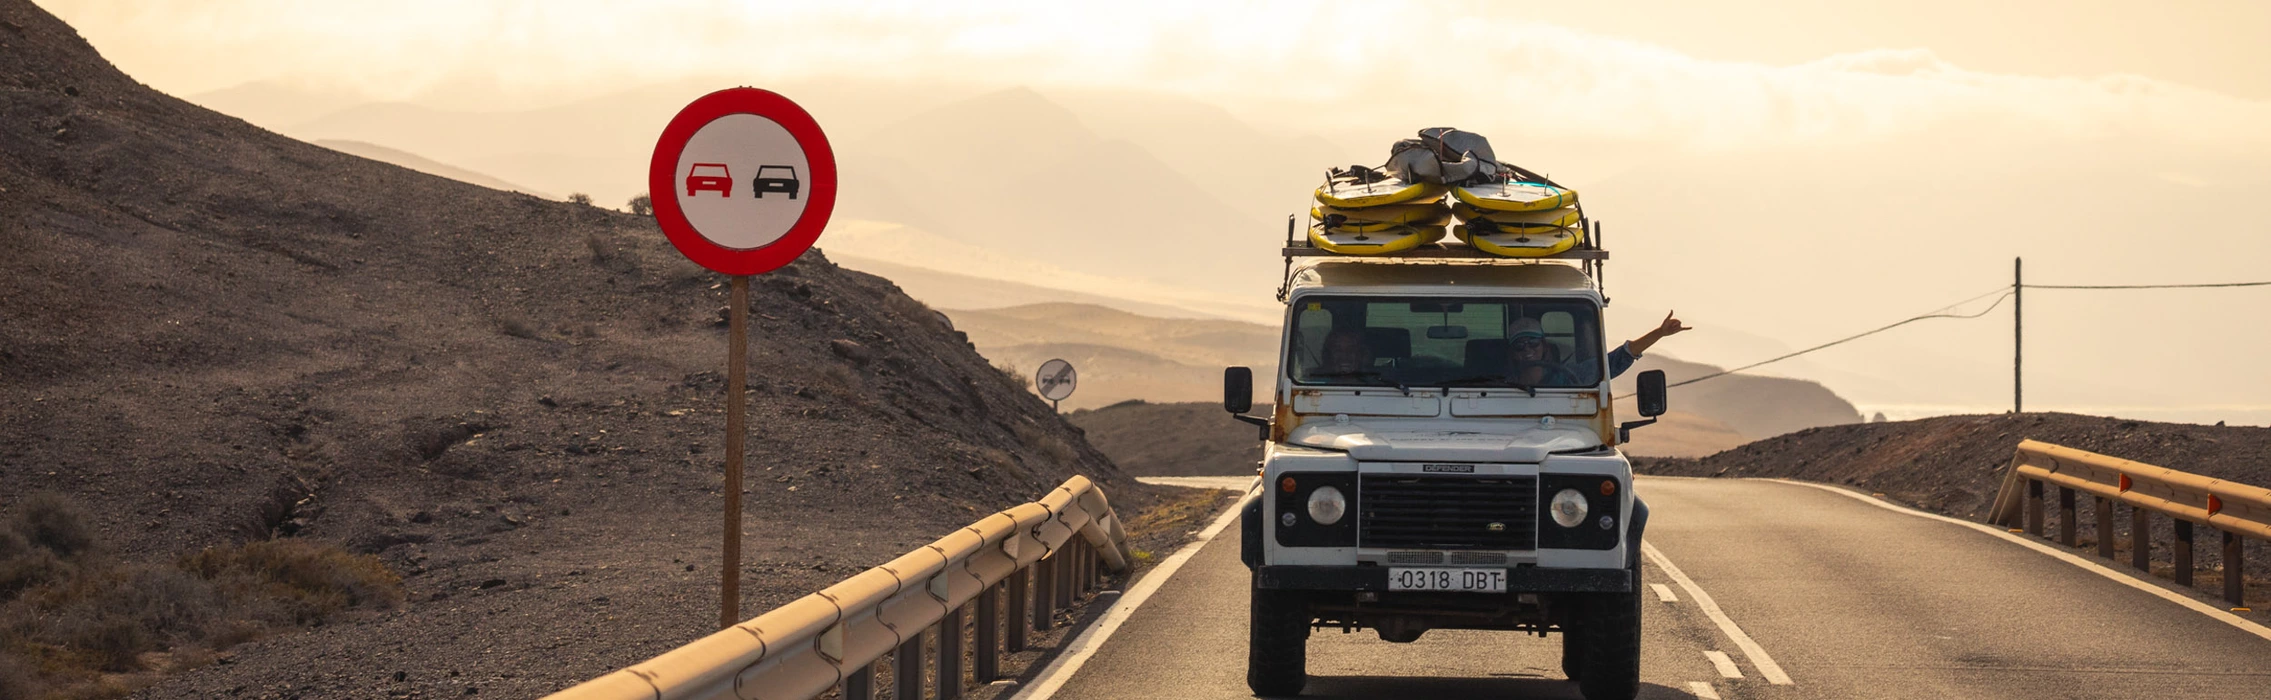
1521,579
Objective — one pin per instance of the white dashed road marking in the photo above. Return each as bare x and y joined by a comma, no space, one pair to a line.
1702,690
1664,593
1726,666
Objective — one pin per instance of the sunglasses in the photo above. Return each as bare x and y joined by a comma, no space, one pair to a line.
1527,343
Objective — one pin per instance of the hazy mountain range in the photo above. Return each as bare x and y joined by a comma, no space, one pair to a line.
1171,206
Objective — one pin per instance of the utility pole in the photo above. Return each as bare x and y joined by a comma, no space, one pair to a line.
2018,335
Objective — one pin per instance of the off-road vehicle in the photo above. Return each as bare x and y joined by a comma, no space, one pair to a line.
1442,454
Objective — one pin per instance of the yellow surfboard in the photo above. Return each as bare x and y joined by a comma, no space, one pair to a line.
1389,191
1395,240
1562,217
1522,243
1515,196
1380,218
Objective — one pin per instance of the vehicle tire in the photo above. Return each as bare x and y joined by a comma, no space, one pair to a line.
1608,647
1277,645
1572,650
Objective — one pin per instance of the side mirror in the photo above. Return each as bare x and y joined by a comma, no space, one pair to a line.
1653,400
1238,397
1238,389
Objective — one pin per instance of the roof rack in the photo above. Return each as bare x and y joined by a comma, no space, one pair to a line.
1593,258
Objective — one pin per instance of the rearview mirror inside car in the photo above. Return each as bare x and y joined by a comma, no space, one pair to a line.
1447,332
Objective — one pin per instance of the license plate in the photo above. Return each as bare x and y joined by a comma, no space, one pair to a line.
1460,580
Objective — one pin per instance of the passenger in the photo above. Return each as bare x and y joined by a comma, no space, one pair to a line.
1538,364
1345,353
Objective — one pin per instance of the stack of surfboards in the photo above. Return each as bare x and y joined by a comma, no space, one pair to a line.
1501,209
1518,219
1361,211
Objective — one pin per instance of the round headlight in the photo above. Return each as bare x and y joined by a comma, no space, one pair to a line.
1326,505
1568,508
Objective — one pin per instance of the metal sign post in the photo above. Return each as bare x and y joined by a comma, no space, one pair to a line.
743,182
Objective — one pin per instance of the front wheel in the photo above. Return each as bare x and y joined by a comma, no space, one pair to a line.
1277,645
1606,645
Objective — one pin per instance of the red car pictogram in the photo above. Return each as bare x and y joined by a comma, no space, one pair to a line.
721,183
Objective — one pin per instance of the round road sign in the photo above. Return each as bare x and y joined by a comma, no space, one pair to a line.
743,181
1056,380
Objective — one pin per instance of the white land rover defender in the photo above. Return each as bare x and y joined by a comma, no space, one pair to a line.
1442,454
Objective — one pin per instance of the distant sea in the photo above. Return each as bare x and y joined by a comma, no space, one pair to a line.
2205,415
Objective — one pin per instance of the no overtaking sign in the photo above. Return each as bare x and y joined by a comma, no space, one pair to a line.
743,182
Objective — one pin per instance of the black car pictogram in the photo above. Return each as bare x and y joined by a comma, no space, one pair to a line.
775,178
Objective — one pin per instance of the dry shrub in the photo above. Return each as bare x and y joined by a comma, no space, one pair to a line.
311,582
24,565
68,613
50,522
1016,376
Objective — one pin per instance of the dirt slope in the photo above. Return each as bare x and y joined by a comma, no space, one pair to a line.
516,403
1173,439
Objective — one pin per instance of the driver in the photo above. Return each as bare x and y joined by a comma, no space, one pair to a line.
1345,353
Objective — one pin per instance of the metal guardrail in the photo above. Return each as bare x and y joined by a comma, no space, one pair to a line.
834,637
2233,509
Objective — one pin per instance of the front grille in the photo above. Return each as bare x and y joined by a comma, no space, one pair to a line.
1447,512
1415,558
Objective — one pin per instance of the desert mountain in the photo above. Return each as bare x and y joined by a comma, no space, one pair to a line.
217,332
1121,355
1754,407
424,165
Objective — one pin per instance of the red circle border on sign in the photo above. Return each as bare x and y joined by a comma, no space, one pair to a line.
662,176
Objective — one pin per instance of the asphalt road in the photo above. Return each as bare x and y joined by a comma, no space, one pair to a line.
1848,599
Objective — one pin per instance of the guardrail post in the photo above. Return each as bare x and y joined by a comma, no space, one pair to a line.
2103,508
2141,538
1044,593
907,669
1019,587
2235,569
1087,564
2066,512
985,660
1064,578
2183,552
950,655
860,685
2034,508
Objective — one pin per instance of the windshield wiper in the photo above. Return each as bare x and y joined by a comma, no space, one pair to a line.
1481,378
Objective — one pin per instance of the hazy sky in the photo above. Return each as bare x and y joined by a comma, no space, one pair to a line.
2181,91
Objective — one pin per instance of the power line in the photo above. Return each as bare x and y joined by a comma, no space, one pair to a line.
2006,292
2149,286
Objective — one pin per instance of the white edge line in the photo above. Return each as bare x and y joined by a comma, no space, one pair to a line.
1085,645
1664,593
2219,614
1726,666
1751,650
1702,690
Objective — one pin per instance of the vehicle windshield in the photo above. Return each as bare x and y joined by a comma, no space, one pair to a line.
1446,342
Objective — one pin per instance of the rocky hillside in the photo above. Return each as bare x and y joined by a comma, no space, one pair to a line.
1173,439
217,334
